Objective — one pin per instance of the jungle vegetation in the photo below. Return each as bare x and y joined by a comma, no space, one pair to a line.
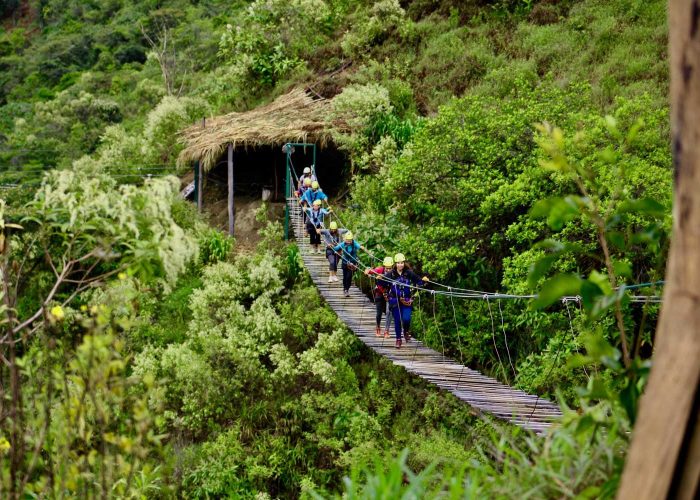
519,146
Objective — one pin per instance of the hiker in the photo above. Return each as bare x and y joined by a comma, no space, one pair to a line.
304,186
348,253
332,237
314,224
400,279
306,175
313,194
379,294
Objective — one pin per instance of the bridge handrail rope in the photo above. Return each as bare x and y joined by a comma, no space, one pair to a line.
465,293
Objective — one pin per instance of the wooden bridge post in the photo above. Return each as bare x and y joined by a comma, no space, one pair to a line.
664,457
231,213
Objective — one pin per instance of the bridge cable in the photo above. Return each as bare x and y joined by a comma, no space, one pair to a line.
505,338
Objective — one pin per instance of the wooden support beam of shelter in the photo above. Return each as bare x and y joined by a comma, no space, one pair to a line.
231,212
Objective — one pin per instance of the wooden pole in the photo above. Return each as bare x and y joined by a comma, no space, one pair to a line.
230,190
664,457
198,185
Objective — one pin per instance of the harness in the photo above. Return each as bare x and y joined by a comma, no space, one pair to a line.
334,239
352,252
316,217
401,291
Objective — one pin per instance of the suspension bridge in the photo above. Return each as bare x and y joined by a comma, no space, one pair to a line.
483,393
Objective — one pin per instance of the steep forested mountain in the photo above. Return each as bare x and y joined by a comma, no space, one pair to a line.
511,146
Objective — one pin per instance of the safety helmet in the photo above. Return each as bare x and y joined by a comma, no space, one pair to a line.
399,257
317,203
307,182
307,170
334,225
388,261
348,236
314,185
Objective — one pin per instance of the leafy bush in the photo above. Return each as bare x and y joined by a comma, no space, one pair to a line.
371,25
214,246
172,114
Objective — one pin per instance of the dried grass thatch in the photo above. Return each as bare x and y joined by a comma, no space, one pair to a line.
293,117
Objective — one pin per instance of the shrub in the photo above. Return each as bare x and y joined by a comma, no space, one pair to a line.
214,246
163,124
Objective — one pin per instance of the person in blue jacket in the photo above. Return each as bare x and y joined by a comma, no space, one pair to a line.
314,224
400,281
313,194
348,254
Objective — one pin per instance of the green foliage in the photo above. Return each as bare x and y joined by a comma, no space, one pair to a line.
128,223
214,246
370,25
629,229
259,388
95,435
163,124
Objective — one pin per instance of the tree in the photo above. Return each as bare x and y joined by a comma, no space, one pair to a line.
664,457
80,230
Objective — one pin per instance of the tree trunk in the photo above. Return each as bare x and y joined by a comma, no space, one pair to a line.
664,457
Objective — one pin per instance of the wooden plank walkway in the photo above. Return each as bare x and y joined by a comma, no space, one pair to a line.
479,391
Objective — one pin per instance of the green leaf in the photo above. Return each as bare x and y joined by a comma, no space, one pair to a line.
596,389
629,398
556,288
622,268
558,211
601,280
585,422
617,239
590,292
578,360
600,349
539,268
648,206
542,207
590,492
634,130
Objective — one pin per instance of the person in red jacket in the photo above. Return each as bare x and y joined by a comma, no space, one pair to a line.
380,294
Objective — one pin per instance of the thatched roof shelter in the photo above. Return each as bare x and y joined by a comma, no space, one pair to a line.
293,117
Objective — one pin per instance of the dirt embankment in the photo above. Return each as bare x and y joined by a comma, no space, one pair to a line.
215,209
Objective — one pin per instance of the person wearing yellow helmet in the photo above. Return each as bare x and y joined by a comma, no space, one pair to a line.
304,185
314,224
348,254
314,193
379,294
332,237
402,281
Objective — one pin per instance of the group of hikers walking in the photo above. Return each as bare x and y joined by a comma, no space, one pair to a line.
394,280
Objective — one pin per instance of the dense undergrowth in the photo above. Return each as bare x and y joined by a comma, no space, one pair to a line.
228,376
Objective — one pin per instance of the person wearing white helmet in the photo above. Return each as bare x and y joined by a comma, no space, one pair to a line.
332,237
308,174
348,254
402,281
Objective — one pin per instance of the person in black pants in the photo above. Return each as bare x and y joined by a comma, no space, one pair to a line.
380,294
348,253
314,224
332,237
